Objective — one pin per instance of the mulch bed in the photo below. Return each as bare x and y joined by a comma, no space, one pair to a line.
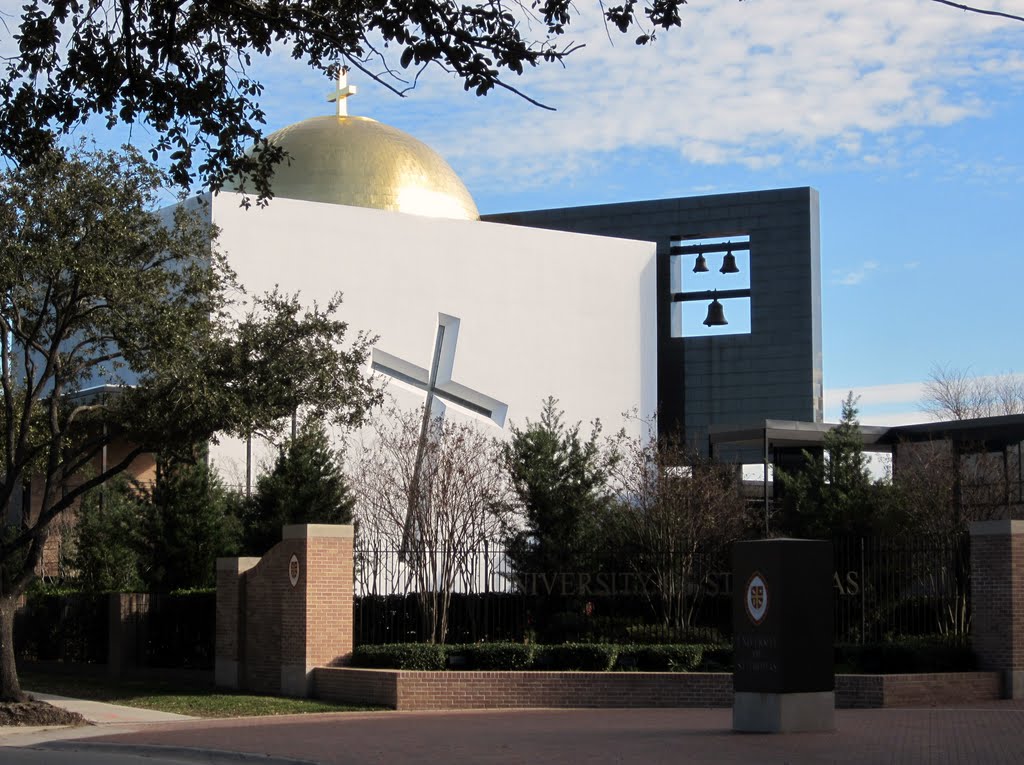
37,713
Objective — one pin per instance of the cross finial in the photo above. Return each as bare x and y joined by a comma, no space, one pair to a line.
343,91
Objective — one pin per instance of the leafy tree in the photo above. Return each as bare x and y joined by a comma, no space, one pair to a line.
185,525
561,482
183,70
106,541
115,326
834,493
306,485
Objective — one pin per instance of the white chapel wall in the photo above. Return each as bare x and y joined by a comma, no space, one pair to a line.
542,313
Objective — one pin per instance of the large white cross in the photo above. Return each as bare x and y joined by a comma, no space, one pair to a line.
437,383
343,91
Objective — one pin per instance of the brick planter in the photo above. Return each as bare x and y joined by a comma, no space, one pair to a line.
406,690
919,690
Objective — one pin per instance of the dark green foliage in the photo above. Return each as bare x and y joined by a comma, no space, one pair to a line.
717,658
183,70
657,634
834,494
63,627
664,658
560,481
419,656
185,527
499,656
130,538
306,485
107,539
108,294
576,657
907,655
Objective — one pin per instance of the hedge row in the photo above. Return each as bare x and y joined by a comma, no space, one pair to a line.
578,657
900,655
920,654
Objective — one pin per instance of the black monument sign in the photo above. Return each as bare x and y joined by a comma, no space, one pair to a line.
783,616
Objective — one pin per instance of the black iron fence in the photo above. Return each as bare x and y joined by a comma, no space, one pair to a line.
175,630
152,630
67,628
883,589
889,588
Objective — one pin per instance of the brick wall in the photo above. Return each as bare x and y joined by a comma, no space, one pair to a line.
272,631
917,690
265,587
420,691
496,690
997,610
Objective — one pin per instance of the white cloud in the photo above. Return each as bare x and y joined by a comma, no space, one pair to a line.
756,83
892,404
853,278
748,83
876,395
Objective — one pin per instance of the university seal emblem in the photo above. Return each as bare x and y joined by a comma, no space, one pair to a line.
293,570
756,598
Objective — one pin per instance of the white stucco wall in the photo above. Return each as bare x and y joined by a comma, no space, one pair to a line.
541,312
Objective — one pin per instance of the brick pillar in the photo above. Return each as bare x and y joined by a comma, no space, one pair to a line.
230,632
316,609
997,600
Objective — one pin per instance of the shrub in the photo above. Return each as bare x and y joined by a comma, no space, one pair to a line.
916,654
668,658
718,657
659,634
499,656
421,656
577,657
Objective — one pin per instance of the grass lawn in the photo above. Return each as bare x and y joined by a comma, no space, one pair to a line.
166,696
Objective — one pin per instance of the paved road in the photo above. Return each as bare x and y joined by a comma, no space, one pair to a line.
988,733
109,755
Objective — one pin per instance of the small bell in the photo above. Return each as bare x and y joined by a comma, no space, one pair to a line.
716,315
729,264
701,265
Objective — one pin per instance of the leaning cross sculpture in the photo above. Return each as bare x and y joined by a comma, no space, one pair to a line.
439,387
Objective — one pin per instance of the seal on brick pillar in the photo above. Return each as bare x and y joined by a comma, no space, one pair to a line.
316,608
784,676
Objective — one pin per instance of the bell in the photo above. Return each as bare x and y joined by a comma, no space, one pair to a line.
701,265
729,264
716,315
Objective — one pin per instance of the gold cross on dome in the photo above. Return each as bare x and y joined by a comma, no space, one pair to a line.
342,93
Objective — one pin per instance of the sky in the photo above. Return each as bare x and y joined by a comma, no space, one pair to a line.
905,115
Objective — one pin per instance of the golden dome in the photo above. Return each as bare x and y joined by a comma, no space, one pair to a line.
358,161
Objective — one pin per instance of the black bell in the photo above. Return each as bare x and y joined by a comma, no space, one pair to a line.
701,265
729,264
716,315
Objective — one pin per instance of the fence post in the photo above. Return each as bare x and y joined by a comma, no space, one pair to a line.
123,625
997,619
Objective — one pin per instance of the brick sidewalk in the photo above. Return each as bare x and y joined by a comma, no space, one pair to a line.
984,733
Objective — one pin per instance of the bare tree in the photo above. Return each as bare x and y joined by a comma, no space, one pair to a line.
676,507
459,485
953,393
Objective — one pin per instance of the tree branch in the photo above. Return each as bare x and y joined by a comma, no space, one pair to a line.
982,11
